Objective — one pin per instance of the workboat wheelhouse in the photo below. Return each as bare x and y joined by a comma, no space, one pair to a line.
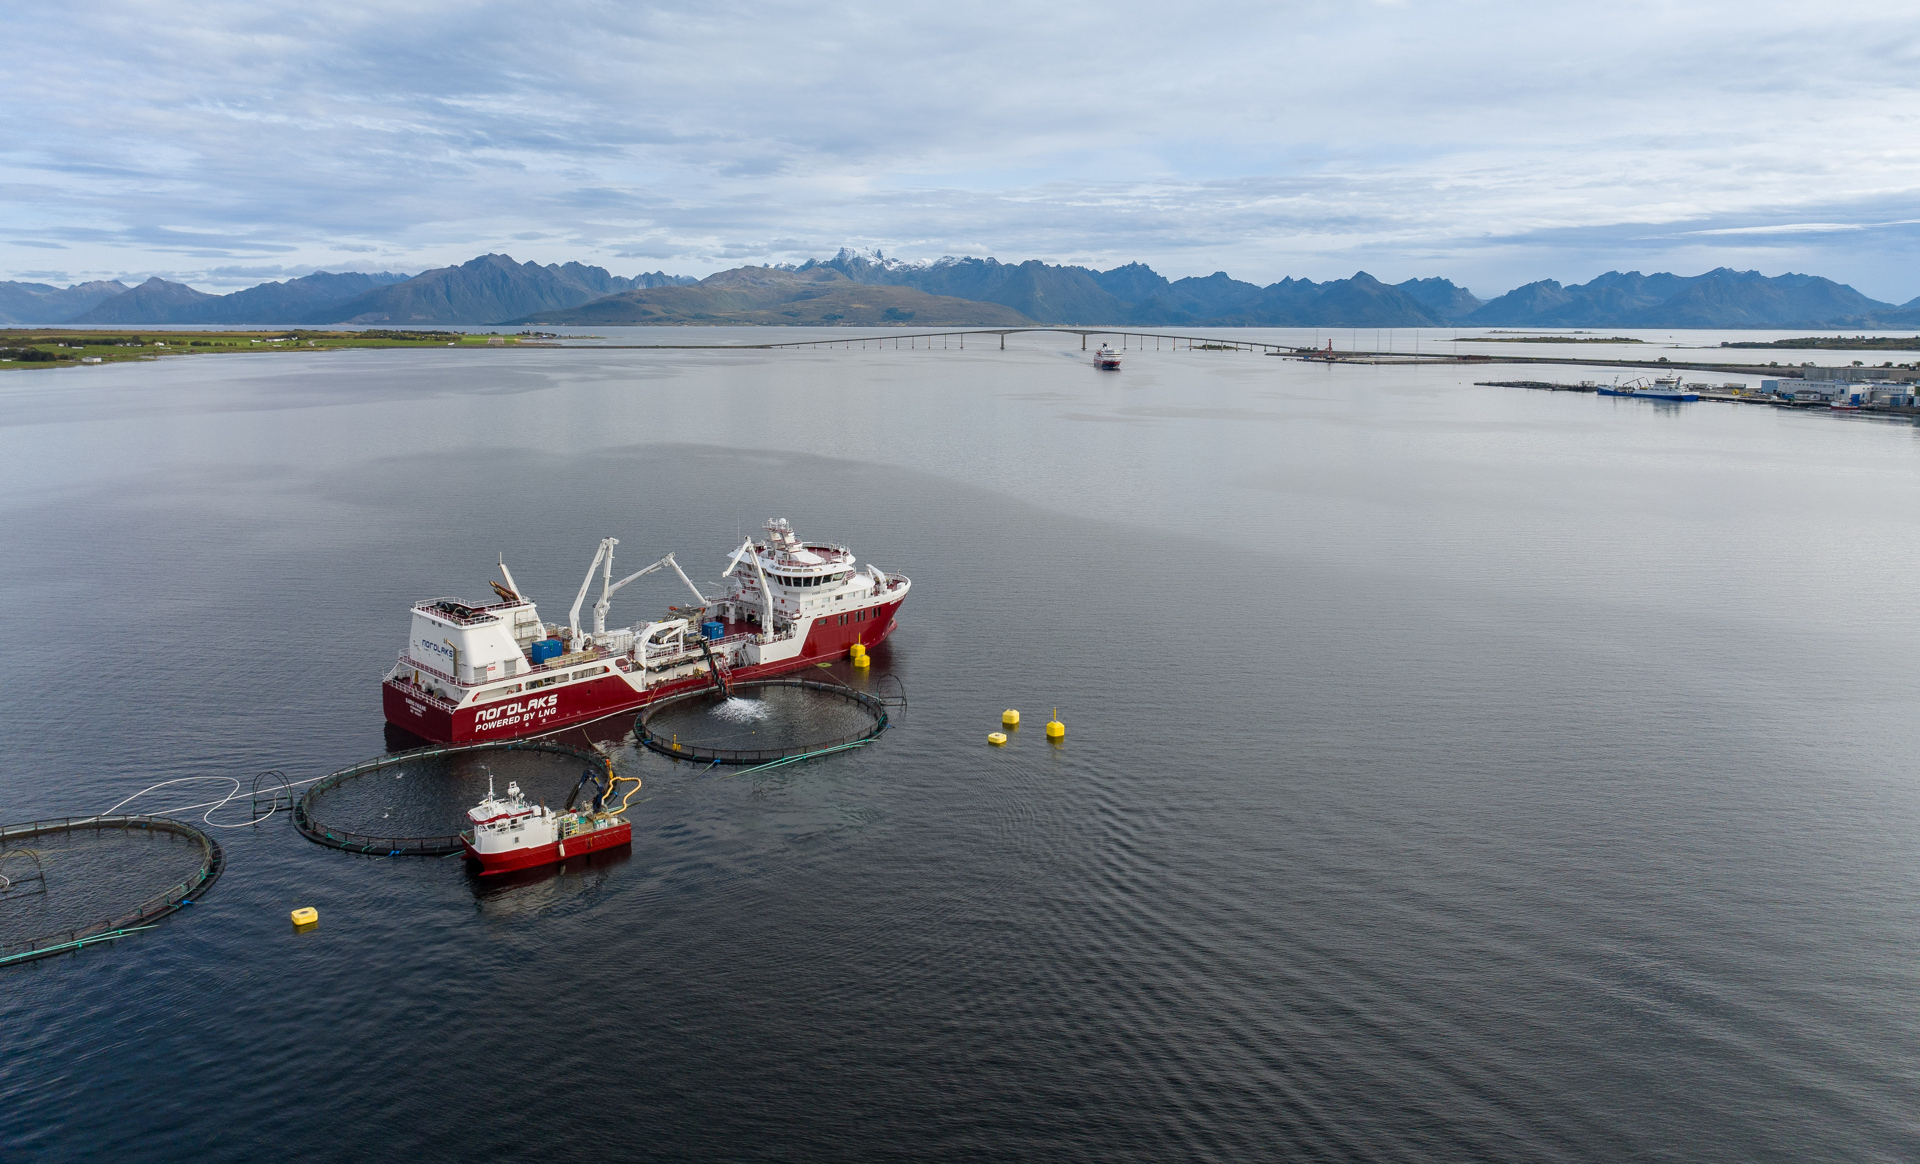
496,671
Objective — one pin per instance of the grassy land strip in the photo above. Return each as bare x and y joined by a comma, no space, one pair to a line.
24,348
1858,343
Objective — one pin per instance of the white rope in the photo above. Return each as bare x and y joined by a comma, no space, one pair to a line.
212,806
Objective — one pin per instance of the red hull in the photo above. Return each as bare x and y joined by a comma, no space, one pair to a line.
577,845
595,699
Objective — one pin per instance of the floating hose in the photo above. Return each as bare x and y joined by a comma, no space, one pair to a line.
785,760
212,806
73,945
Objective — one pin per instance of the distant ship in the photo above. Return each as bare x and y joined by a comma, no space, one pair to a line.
1106,358
1663,388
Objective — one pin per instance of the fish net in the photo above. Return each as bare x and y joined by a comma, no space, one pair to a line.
760,722
67,883
415,803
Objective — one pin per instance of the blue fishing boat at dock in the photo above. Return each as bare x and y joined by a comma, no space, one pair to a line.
1662,388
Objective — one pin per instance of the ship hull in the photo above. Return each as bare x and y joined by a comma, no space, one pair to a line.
577,845
1651,394
585,702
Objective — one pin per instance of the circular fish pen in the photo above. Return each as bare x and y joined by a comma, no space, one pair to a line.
414,803
773,719
75,881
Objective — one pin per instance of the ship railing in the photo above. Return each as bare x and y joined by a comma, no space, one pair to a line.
425,696
409,662
660,655
481,614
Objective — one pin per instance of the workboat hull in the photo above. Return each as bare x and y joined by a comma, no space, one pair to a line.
611,694
1650,394
577,845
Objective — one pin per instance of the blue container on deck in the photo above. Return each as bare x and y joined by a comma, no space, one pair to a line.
713,630
544,649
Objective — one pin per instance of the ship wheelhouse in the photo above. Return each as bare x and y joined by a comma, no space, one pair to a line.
784,581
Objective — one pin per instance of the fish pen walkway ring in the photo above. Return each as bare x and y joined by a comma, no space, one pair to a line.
646,728
142,916
437,846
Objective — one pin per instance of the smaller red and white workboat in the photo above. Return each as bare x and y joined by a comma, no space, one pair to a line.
508,833
1106,359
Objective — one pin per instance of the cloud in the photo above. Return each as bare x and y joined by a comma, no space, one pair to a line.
1496,140
1805,227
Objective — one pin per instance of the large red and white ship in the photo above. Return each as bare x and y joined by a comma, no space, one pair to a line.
496,672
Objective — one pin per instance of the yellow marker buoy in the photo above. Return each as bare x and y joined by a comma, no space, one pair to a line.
860,661
1010,718
306,915
996,738
856,650
1055,729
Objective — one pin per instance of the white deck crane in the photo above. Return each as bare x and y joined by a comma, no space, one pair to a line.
603,562
747,551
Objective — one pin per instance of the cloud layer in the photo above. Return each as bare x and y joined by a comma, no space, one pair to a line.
1495,142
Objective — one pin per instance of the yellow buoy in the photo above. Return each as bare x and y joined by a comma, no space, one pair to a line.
996,738
1010,718
856,650
860,661
306,915
1055,729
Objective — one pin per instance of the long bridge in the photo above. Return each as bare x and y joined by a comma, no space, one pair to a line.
958,339
1168,341
949,338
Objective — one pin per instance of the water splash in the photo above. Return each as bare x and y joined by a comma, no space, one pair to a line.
738,710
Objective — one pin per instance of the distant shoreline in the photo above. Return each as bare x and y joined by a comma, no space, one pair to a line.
26,348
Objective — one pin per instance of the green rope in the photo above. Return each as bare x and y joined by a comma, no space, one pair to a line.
802,756
73,945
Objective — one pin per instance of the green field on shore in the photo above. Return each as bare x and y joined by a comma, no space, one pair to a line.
23,348
1858,343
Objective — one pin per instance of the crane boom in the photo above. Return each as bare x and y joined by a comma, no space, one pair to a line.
603,561
605,551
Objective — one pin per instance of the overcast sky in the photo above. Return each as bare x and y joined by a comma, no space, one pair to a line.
1494,143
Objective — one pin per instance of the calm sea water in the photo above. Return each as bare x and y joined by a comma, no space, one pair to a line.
1451,772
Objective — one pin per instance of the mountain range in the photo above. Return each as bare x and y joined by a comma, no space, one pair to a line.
1722,298
45,303
820,296
158,301
1137,294
862,289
